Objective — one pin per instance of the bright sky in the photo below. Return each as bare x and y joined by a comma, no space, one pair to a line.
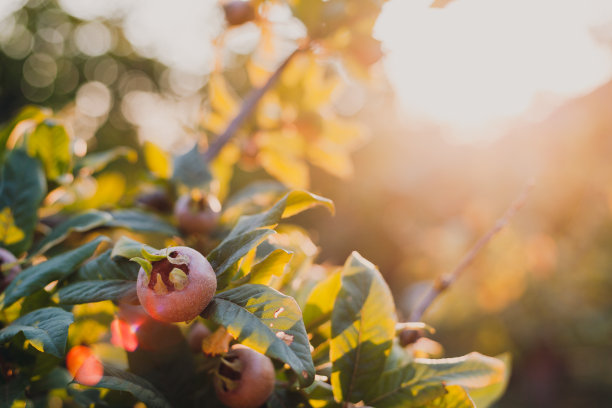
477,63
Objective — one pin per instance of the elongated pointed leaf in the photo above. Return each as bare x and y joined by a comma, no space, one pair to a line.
115,379
46,329
272,265
50,143
414,381
95,162
140,221
485,396
97,291
80,223
129,248
225,256
321,299
267,321
34,113
22,189
105,267
292,203
38,276
363,328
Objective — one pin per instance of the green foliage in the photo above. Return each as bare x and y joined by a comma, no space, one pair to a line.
114,379
45,329
22,190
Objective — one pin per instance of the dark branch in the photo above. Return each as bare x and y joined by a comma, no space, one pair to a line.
247,107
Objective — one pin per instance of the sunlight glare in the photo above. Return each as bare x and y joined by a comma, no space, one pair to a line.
477,63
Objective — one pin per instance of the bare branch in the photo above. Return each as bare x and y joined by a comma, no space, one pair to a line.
443,282
247,107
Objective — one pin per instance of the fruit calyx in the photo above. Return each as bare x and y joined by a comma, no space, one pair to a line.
166,271
229,372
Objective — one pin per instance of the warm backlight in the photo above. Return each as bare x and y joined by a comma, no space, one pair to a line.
84,366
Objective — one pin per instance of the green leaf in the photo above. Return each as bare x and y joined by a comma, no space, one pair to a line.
455,397
83,222
418,381
95,162
35,113
129,248
141,222
471,371
321,299
106,267
261,317
97,291
320,394
22,190
292,203
50,143
38,276
115,379
46,329
190,169
225,256
396,388
363,328
272,265
484,397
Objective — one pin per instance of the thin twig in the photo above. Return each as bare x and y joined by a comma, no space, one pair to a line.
443,282
247,107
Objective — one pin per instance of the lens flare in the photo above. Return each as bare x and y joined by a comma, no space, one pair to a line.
84,366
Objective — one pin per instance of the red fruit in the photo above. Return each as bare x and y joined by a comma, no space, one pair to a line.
197,214
245,378
238,12
181,284
7,258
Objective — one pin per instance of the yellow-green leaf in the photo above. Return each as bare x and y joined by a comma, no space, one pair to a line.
157,161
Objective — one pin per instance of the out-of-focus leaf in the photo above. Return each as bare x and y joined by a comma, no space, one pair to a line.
222,99
110,188
80,223
290,170
129,248
95,162
267,321
157,161
140,221
320,302
115,379
190,169
440,3
46,329
22,189
363,329
9,232
97,291
486,396
330,158
38,276
13,390
36,114
225,256
50,143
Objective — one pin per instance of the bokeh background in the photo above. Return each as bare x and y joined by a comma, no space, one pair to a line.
469,103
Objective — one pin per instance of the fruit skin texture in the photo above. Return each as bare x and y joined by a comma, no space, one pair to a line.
256,382
196,216
179,305
6,258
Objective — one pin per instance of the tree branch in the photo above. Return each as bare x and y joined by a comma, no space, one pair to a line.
248,105
443,282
